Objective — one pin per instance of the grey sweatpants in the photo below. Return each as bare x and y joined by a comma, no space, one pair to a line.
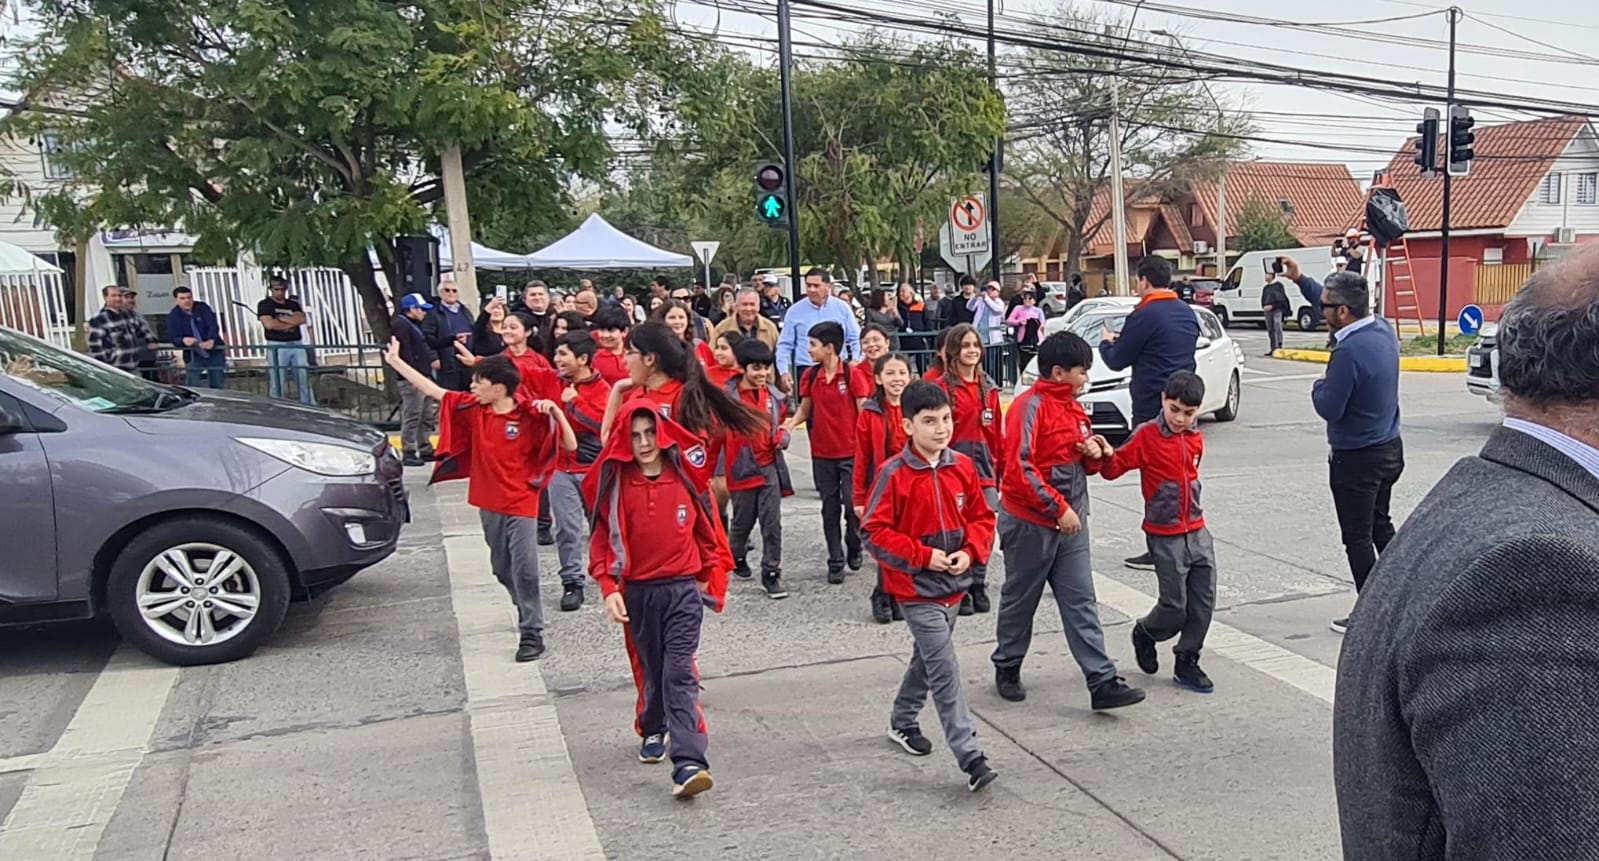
514,554
419,419
1274,329
1036,556
1186,568
759,504
934,669
565,493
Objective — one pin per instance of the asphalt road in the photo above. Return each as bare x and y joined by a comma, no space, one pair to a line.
386,720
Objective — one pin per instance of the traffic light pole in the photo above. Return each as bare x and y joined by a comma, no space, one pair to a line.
785,61
1443,245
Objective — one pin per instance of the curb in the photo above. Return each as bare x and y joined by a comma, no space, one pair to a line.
1424,364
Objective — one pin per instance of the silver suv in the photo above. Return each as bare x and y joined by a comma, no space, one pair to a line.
189,517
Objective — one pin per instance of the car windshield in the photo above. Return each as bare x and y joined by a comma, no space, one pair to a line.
81,381
1087,326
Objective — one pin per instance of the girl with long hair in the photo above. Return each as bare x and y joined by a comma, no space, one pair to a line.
662,367
518,333
875,344
486,339
679,317
725,367
979,434
564,322
879,435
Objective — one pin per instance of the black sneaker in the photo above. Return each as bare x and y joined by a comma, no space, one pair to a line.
571,597
882,609
966,605
413,460
529,650
912,740
741,570
1008,681
546,537
1340,626
1144,649
855,560
898,613
1115,694
1145,560
979,775
835,573
773,584
1189,675
979,595
428,454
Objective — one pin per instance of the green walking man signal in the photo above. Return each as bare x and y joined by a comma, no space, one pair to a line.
771,194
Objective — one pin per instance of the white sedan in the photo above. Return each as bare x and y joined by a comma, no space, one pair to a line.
1217,358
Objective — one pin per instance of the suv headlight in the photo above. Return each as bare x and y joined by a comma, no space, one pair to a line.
320,458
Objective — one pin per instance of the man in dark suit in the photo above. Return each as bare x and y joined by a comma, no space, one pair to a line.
1466,722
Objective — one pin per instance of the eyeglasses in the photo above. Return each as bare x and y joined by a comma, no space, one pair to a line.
1328,307
447,292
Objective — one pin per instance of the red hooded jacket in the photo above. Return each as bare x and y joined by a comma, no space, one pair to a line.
1048,475
689,536
917,507
879,435
1170,465
738,456
978,430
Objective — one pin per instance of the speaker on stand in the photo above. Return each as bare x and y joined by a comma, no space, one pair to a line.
417,262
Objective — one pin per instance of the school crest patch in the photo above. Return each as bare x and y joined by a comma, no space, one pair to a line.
695,456
988,417
1085,430
512,430
666,411
682,515
960,500
843,387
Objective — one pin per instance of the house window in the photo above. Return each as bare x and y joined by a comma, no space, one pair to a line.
1493,256
49,145
1588,188
1549,191
1286,205
1196,218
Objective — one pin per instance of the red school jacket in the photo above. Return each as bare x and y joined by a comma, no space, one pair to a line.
523,436
1048,475
739,458
1170,480
585,413
917,506
685,538
979,433
879,435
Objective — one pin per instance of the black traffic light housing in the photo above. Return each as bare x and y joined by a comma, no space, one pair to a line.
1427,143
1461,139
771,194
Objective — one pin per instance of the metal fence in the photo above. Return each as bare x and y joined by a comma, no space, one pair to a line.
349,379
36,303
334,316
1001,361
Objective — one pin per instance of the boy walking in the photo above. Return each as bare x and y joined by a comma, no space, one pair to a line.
1168,450
828,395
583,397
926,524
505,447
654,532
1043,526
754,467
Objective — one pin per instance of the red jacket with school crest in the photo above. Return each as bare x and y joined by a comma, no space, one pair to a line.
879,435
978,431
585,413
1170,465
738,456
917,507
664,402
457,416
1048,475
684,538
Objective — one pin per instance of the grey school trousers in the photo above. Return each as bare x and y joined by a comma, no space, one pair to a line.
565,493
1036,556
934,670
1185,565
759,504
514,554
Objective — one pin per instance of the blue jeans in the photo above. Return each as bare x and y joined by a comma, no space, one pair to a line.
280,359
213,369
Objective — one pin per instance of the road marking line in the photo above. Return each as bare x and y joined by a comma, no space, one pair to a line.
25,762
1287,377
533,806
1285,666
76,787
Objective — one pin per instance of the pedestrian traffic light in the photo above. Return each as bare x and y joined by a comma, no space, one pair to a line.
1461,139
771,195
1427,142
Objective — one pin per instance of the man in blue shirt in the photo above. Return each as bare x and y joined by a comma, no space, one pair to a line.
1359,398
192,325
793,344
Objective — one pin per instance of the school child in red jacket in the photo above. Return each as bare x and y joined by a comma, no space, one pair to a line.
879,435
505,446
1167,450
584,395
875,344
726,365
927,524
1043,525
979,434
654,532
609,327
754,468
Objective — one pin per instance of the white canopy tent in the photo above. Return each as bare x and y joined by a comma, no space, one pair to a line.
483,257
598,245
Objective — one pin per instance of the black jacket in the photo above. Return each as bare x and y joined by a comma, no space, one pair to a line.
414,347
1275,296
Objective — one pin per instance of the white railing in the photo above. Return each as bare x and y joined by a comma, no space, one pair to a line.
333,311
36,303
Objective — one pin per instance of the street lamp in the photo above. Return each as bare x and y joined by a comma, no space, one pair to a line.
1221,182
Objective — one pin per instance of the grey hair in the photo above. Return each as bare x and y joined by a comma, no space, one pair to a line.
750,290
1549,335
1349,290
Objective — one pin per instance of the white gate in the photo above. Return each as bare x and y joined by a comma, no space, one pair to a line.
335,319
36,303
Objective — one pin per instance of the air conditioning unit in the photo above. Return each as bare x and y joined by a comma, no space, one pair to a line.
1566,235
1201,246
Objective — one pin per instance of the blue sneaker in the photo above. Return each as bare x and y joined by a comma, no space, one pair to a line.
653,749
689,781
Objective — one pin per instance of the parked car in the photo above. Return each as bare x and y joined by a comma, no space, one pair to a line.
1218,358
1237,299
1482,364
1052,297
189,517
1200,291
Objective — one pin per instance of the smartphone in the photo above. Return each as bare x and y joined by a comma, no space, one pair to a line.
1277,266
501,293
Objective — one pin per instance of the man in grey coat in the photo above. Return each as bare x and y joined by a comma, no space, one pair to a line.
1466,722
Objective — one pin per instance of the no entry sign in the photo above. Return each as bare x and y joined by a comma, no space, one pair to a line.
968,224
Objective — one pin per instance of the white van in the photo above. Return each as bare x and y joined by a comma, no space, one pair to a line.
1237,300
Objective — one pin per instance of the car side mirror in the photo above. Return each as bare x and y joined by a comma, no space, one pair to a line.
10,422
1201,342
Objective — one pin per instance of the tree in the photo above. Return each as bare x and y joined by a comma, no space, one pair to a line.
1059,149
309,133
1263,225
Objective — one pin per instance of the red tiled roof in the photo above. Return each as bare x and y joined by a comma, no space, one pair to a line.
1173,216
1511,160
1321,195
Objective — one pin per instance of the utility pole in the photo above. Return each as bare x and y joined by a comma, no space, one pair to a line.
459,221
1221,181
1118,196
994,163
785,51
1443,246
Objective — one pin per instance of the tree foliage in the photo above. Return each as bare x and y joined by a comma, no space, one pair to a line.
1058,156
309,132
1263,225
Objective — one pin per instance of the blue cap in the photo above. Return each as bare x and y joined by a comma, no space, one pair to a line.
414,300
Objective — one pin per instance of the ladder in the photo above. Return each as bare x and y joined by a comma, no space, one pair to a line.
1395,267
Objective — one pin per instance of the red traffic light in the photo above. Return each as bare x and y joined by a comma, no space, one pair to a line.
769,177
